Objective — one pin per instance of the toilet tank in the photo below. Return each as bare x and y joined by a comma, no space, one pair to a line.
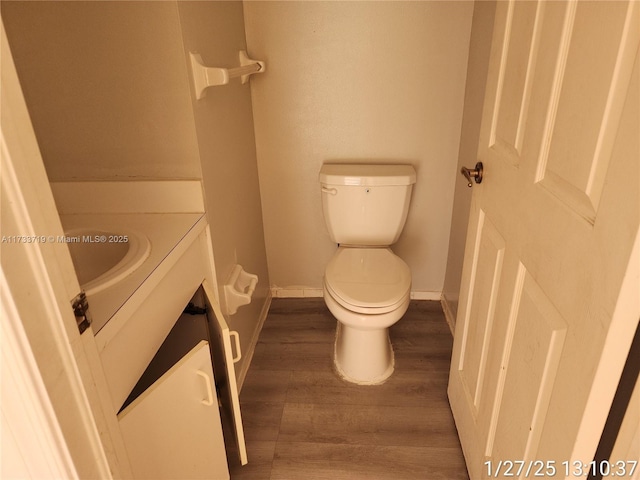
366,205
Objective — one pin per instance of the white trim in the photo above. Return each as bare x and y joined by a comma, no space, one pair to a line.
448,313
36,265
296,292
310,292
41,282
30,428
426,295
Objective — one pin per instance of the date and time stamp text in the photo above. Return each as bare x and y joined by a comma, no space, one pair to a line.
554,469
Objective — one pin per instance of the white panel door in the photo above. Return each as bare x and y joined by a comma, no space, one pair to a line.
550,236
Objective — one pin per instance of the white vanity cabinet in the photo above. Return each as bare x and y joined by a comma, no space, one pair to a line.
171,421
170,377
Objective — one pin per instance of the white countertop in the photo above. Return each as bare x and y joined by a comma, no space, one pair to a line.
164,230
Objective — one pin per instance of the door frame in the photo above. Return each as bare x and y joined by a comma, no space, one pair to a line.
624,323
55,361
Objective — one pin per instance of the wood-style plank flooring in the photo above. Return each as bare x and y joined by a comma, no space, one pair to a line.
303,422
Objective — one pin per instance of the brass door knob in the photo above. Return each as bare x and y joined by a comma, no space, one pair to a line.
475,173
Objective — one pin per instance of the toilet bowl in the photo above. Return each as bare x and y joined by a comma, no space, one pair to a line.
367,290
366,286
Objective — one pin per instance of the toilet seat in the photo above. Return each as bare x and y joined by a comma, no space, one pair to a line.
368,280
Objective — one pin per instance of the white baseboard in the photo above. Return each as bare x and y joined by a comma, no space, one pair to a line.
422,295
296,292
448,314
308,292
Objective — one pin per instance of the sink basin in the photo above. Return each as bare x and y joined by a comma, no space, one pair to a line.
104,257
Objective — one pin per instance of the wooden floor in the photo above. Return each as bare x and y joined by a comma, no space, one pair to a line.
303,422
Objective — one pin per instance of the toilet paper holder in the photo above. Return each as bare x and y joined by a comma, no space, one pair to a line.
239,289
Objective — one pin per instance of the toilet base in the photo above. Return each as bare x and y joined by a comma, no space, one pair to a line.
364,357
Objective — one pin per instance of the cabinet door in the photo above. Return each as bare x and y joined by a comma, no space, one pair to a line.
225,372
173,430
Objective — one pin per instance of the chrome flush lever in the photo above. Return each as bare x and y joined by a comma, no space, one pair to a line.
476,174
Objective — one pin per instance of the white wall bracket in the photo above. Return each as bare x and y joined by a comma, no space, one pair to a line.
204,77
239,289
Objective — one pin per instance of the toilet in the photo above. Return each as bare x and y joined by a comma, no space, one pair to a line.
366,286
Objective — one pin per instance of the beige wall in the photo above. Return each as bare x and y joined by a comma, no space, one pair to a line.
356,81
224,124
480,48
107,88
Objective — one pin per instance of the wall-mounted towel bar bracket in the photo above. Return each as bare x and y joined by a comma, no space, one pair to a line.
204,77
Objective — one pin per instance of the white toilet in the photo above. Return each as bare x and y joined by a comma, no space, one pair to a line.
366,286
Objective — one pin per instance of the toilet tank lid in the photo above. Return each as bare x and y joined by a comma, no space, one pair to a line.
358,174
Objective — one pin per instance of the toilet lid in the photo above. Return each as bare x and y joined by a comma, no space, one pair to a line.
368,277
